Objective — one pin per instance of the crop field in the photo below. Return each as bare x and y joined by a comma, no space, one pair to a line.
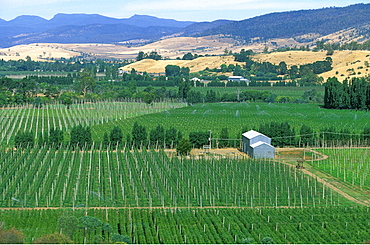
279,91
239,116
351,165
152,197
333,225
57,116
50,178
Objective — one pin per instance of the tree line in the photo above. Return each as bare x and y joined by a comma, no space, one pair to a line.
62,65
81,137
351,94
255,70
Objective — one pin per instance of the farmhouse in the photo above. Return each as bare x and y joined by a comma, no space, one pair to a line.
257,145
238,79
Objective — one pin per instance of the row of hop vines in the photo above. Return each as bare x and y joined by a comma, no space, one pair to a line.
40,177
40,120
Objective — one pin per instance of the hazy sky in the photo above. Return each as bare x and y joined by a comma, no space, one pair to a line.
195,10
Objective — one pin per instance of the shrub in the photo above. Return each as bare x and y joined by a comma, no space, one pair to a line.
55,238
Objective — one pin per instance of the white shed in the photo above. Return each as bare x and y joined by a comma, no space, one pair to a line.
238,79
257,145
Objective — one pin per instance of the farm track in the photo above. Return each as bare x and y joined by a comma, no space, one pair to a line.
334,185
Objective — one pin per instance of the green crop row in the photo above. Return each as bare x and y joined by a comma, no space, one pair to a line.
332,225
96,178
243,116
351,165
57,116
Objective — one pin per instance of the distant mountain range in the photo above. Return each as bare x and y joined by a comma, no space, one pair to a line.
85,28
94,28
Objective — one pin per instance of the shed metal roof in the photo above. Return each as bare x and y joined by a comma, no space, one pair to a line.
251,134
260,143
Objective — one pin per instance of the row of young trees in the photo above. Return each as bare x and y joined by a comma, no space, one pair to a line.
353,94
79,136
253,96
159,137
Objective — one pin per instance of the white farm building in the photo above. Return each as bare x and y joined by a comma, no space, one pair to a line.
257,145
238,79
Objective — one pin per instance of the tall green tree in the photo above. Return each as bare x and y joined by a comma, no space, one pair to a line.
80,136
56,137
116,136
224,138
172,137
157,136
307,136
199,139
68,225
172,70
24,139
184,147
139,136
184,88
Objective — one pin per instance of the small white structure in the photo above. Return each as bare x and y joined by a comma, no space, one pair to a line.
195,80
238,79
257,145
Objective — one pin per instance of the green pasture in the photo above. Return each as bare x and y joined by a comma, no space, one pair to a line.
332,225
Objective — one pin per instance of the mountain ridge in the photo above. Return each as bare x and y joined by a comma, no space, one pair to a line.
85,28
26,29
294,23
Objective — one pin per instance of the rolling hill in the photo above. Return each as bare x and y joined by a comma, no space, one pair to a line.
294,24
345,63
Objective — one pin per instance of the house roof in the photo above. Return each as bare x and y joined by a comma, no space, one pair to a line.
251,134
260,143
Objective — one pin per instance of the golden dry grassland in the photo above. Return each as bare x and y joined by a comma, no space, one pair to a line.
345,63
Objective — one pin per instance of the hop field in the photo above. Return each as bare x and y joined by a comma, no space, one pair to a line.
57,116
332,225
351,165
155,198
98,178
240,116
